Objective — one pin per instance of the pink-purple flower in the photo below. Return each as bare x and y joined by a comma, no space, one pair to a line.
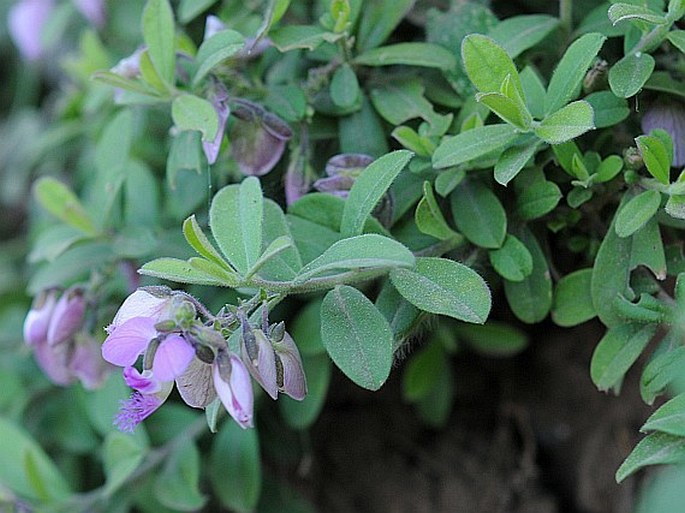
234,388
26,20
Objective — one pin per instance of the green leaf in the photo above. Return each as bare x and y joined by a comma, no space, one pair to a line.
569,122
421,373
619,12
180,271
654,449
158,34
185,155
31,474
344,87
151,76
235,468
609,109
531,298
302,414
398,102
226,277
188,10
608,169
411,54
514,113
357,337
284,265
534,91
121,455
276,247
200,243
235,218
191,112
637,212
675,206
363,132
444,287
569,74
487,64
112,79
369,188
677,39
573,299
448,179
656,158
60,201
379,19
494,338
369,251
292,37
215,50
538,199
478,214
664,367
512,261
519,33
669,418
513,160
400,313
628,75
472,144
617,351
429,218
177,486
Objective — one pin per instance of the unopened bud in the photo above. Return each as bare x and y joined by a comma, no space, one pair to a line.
234,388
632,158
38,318
294,382
67,317
262,364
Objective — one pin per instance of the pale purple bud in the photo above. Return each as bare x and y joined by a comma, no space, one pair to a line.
342,170
150,303
196,385
234,388
129,67
213,25
26,20
297,180
93,10
219,100
67,317
54,361
292,381
669,116
86,362
339,185
139,407
38,318
262,365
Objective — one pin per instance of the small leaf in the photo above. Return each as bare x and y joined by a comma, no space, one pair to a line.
344,87
512,261
487,64
191,112
617,351
429,218
655,156
513,160
369,188
276,247
669,418
573,299
628,75
357,337
369,251
654,449
478,214
675,206
472,144
214,50
609,109
569,74
664,366
60,201
494,338
411,54
637,212
180,271
158,33
200,243
235,218
507,109
538,199
608,169
519,33
620,11
235,469
444,287
567,123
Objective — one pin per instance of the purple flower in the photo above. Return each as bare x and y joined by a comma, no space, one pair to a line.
342,170
293,381
86,362
213,24
38,318
140,406
67,316
219,100
93,10
260,359
129,67
669,116
26,20
142,304
234,388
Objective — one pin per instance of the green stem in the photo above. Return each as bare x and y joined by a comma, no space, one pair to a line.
316,284
566,16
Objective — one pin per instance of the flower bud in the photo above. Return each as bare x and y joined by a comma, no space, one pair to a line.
342,170
234,388
292,381
129,67
669,116
93,10
262,363
86,362
67,316
26,20
38,318
219,100
54,362
213,24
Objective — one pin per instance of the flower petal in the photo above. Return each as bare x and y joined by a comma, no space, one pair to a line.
172,358
139,304
236,394
144,382
128,341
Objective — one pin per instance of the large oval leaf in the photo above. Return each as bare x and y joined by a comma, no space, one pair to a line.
444,287
356,336
478,214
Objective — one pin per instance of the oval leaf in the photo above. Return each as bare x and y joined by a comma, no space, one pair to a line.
637,212
444,287
628,75
573,299
654,449
357,337
512,261
412,54
478,214
487,64
472,144
567,123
